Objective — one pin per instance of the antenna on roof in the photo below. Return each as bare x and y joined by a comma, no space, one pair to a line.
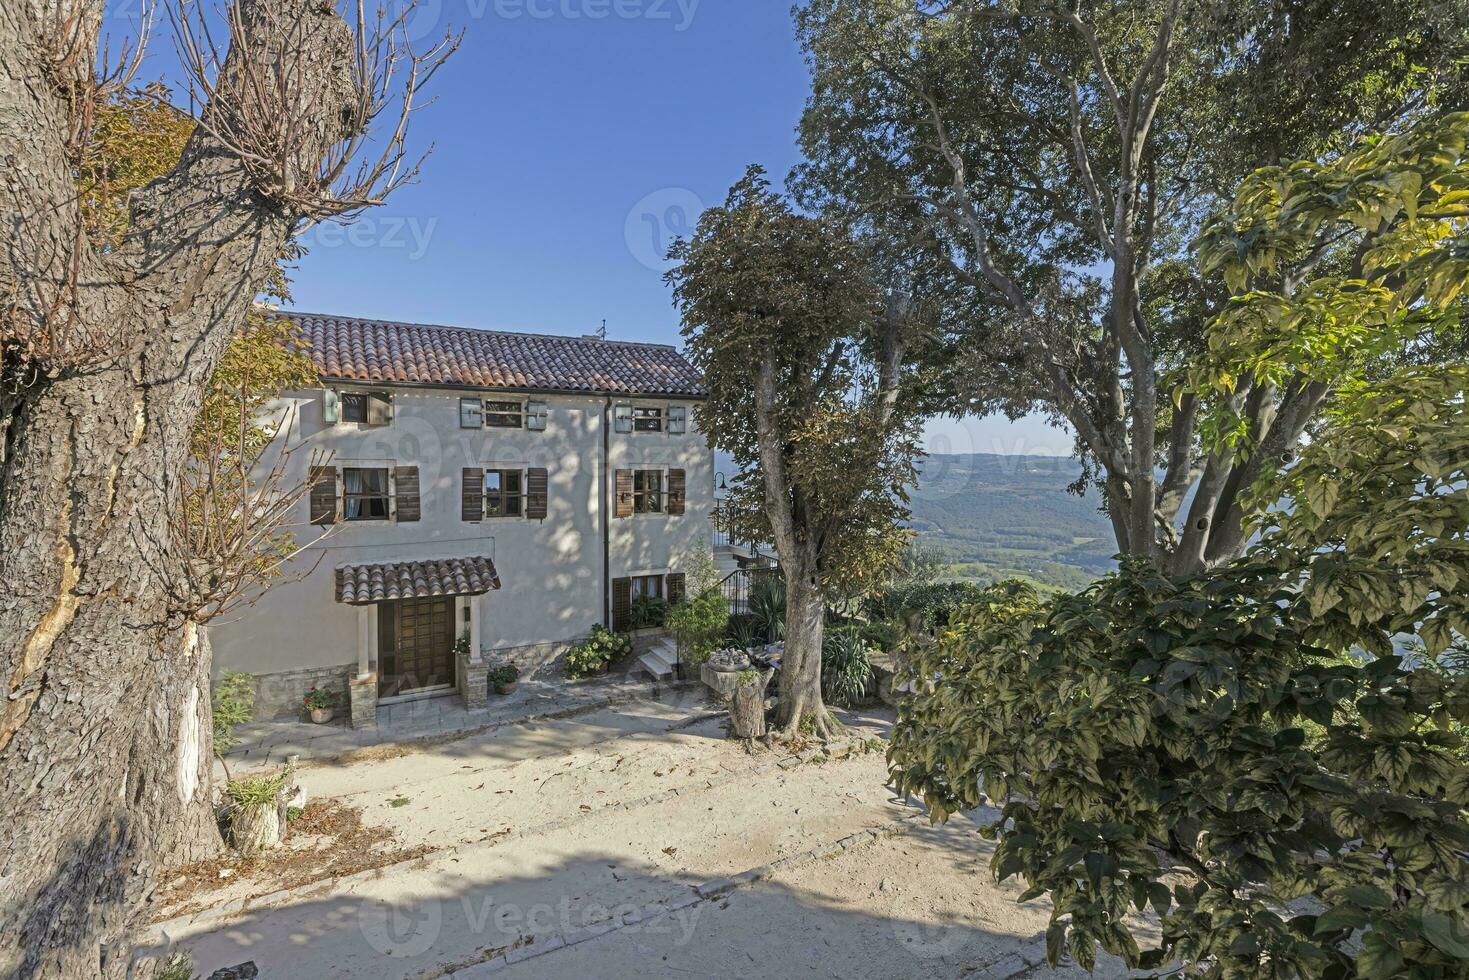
602,334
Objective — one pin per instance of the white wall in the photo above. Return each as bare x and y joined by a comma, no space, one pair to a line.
552,570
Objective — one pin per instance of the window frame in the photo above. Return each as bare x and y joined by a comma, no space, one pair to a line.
649,500
502,495
362,497
503,414
644,414
347,400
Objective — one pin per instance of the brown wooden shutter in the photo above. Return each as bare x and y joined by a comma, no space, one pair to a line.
537,493
379,409
623,487
474,495
677,491
621,605
673,586
408,507
323,495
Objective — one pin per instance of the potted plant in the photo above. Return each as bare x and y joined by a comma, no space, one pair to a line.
506,678
600,651
319,705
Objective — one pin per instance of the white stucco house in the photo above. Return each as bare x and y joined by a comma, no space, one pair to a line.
514,489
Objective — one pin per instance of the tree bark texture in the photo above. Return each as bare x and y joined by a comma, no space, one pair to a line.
800,668
104,728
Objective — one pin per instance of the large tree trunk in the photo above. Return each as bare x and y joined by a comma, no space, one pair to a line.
104,738
800,668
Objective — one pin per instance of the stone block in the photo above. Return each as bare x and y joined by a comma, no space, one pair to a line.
474,680
362,695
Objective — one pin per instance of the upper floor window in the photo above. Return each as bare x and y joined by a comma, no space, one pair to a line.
504,493
647,419
647,492
365,494
505,415
366,408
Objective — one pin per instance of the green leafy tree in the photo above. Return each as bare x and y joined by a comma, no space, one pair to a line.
803,353
1218,748
1064,156
700,621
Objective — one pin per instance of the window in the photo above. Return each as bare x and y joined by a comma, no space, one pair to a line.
504,493
471,413
367,408
678,420
648,586
647,419
365,494
647,492
354,408
649,607
505,415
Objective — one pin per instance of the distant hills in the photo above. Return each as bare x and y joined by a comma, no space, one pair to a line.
995,517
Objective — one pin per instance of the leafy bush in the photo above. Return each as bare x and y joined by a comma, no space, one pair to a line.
316,698
846,669
234,705
504,674
699,622
1149,740
927,606
603,647
649,611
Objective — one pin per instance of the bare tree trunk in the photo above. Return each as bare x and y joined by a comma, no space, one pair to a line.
800,669
105,736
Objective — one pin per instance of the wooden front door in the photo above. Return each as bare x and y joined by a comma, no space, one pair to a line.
415,645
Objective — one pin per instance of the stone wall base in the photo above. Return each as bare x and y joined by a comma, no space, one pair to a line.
532,659
280,695
362,693
473,674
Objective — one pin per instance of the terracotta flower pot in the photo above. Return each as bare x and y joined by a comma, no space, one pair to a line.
507,688
321,716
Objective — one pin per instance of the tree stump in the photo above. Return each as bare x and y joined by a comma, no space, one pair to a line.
747,709
255,827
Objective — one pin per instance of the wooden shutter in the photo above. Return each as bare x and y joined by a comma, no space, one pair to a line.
379,409
474,495
623,488
677,491
537,493
621,605
323,495
673,587
408,507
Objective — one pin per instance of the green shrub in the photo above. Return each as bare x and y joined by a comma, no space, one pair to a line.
699,622
768,606
926,606
846,668
255,790
504,674
742,631
234,705
178,966
603,647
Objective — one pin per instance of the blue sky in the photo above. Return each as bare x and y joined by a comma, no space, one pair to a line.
572,139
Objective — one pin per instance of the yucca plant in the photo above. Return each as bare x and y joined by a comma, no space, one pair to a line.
846,667
768,606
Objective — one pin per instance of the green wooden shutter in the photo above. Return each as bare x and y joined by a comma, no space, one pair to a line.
473,496
323,495
537,493
621,605
408,507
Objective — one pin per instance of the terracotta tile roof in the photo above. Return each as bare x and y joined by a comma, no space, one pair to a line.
347,349
360,585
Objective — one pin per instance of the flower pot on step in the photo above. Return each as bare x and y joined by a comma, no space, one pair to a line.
507,688
321,716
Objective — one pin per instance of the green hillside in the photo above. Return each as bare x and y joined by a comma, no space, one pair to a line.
998,517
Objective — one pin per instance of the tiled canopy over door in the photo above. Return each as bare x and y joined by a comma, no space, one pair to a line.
416,639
